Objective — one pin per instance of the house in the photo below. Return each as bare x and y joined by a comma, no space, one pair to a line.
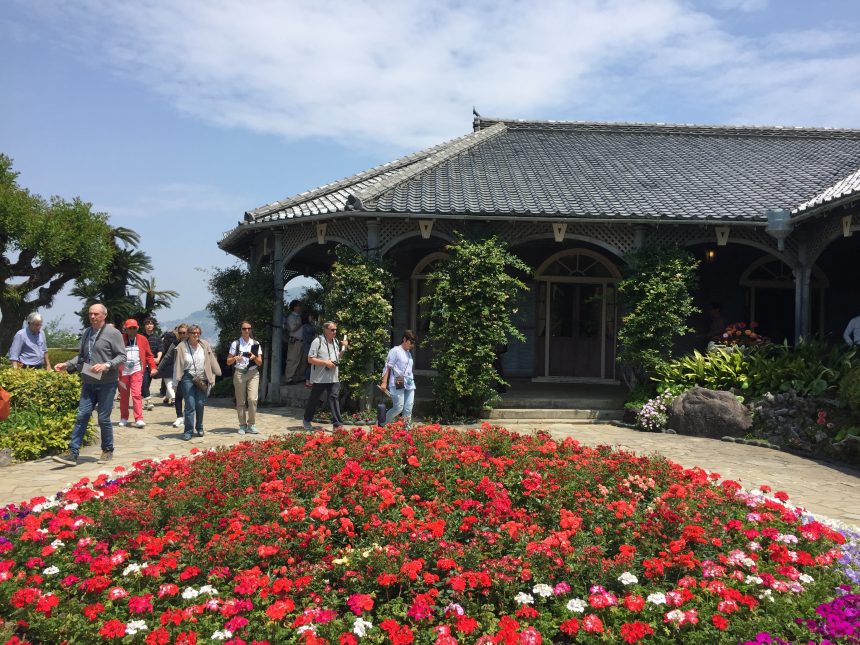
769,211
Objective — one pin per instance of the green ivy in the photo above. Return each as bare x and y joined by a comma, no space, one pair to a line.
473,290
656,294
357,296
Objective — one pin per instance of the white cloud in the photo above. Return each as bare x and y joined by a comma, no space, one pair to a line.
406,73
177,200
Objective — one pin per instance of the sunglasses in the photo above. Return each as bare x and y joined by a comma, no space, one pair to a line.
246,329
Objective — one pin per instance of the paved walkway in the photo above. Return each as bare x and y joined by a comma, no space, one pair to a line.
825,489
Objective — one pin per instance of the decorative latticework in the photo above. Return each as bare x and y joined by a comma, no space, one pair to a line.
819,236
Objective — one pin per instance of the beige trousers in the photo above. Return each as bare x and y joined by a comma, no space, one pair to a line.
247,387
295,369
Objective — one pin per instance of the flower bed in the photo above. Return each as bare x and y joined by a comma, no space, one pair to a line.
426,536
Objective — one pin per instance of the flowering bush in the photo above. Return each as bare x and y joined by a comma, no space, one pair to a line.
741,334
432,535
654,414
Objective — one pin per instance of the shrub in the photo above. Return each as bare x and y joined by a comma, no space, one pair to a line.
654,414
43,412
61,354
357,296
473,287
849,390
811,368
41,391
657,300
31,435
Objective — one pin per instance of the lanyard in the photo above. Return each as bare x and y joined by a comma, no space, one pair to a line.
92,341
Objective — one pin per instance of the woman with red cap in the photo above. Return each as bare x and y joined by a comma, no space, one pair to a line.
138,357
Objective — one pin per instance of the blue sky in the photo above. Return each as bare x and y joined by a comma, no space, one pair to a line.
175,117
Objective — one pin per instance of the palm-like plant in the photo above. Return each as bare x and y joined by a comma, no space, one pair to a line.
152,297
127,267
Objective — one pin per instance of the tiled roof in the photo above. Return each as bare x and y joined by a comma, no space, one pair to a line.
844,188
585,170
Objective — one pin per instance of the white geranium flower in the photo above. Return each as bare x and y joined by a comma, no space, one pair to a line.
656,598
135,626
50,571
189,593
805,578
360,627
209,590
576,605
221,636
523,598
132,567
627,578
58,543
542,590
753,580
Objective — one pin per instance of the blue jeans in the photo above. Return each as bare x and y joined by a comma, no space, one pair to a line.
194,400
94,396
401,401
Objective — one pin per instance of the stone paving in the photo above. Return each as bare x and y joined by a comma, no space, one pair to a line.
826,489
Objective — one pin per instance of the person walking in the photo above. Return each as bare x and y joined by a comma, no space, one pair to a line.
101,353
293,371
165,371
398,379
195,369
155,347
138,359
29,348
324,357
246,358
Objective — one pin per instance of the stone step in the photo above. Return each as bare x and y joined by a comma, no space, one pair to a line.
555,414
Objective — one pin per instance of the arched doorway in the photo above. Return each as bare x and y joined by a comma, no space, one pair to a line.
576,317
420,318
770,288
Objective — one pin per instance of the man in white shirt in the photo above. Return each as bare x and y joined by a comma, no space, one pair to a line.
852,332
324,357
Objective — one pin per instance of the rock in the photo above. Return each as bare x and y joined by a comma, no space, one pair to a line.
709,413
6,457
847,450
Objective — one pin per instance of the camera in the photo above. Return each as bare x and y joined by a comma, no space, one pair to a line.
246,354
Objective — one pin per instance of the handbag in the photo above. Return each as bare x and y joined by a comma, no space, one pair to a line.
200,382
399,383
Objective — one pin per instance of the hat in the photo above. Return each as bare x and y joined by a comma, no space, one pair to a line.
131,322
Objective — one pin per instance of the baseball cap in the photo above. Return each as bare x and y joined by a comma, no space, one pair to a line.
131,322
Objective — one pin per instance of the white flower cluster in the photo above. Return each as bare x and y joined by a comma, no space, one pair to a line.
360,627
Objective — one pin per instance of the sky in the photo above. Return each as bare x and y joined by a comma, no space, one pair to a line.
175,117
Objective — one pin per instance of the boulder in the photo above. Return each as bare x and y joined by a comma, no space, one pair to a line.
700,412
6,457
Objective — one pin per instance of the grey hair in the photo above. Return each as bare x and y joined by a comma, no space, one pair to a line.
98,304
328,323
34,317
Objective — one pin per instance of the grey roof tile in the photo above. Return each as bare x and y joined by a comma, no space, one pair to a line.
587,170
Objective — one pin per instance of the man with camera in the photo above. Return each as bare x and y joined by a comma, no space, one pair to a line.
245,357
324,357
399,379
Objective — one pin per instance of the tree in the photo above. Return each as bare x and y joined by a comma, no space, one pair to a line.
45,244
57,336
657,298
237,295
357,295
474,288
127,267
153,298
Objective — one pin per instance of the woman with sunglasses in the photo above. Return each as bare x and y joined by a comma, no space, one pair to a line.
246,358
195,370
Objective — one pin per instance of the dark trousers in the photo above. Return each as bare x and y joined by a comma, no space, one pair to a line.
332,391
147,381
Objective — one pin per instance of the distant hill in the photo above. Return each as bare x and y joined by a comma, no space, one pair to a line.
208,328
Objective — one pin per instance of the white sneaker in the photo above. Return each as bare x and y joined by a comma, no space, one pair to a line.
140,423
123,423
179,422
